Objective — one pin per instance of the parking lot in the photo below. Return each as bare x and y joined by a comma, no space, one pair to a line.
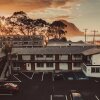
44,86
50,76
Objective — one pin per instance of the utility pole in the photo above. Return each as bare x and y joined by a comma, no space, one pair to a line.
94,31
85,33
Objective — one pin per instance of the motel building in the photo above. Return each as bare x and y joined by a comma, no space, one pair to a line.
91,65
30,54
50,58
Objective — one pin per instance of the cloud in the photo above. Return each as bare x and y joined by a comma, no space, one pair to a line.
46,9
28,5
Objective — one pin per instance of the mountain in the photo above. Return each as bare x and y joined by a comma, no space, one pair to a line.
71,29
20,23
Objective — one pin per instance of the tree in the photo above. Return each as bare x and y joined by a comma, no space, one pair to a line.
58,28
6,49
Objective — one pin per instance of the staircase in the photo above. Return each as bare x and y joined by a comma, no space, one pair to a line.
4,70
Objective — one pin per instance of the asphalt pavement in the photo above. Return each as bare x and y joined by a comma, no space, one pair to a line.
43,86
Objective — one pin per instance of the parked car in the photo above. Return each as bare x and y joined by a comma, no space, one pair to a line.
9,88
75,95
58,76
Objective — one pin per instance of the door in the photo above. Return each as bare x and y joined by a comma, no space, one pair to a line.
28,66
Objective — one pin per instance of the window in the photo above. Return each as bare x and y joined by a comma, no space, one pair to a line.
15,43
39,56
77,57
40,64
49,64
95,70
92,70
77,64
25,42
49,56
35,42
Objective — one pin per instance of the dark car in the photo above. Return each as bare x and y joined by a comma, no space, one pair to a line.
9,88
58,76
75,95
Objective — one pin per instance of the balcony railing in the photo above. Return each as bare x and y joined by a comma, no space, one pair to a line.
77,58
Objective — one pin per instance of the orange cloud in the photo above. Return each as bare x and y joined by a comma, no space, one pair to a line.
28,5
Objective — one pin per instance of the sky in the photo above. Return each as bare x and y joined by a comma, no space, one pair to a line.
83,13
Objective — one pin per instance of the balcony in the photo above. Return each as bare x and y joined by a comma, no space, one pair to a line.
91,70
63,57
76,57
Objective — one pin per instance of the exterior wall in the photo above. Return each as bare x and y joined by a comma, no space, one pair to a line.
16,66
33,66
61,62
63,66
96,59
70,63
57,63
44,67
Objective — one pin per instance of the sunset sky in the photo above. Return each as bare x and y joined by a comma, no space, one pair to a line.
83,13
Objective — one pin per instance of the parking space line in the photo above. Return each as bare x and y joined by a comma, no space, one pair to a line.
97,97
42,76
66,97
50,97
16,74
64,78
32,76
25,75
96,81
6,94
17,78
52,76
11,81
59,95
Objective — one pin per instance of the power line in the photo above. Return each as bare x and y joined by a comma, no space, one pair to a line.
85,33
94,31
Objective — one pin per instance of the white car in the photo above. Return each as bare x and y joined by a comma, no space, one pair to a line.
9,88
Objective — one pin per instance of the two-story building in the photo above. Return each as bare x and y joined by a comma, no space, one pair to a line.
48,58
23,41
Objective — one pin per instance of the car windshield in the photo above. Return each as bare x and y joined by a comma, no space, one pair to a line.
77,96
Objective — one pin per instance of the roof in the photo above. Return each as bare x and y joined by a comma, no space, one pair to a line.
56,40
91,51
51,50
59,42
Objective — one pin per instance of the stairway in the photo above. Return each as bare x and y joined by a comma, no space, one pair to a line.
4,69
